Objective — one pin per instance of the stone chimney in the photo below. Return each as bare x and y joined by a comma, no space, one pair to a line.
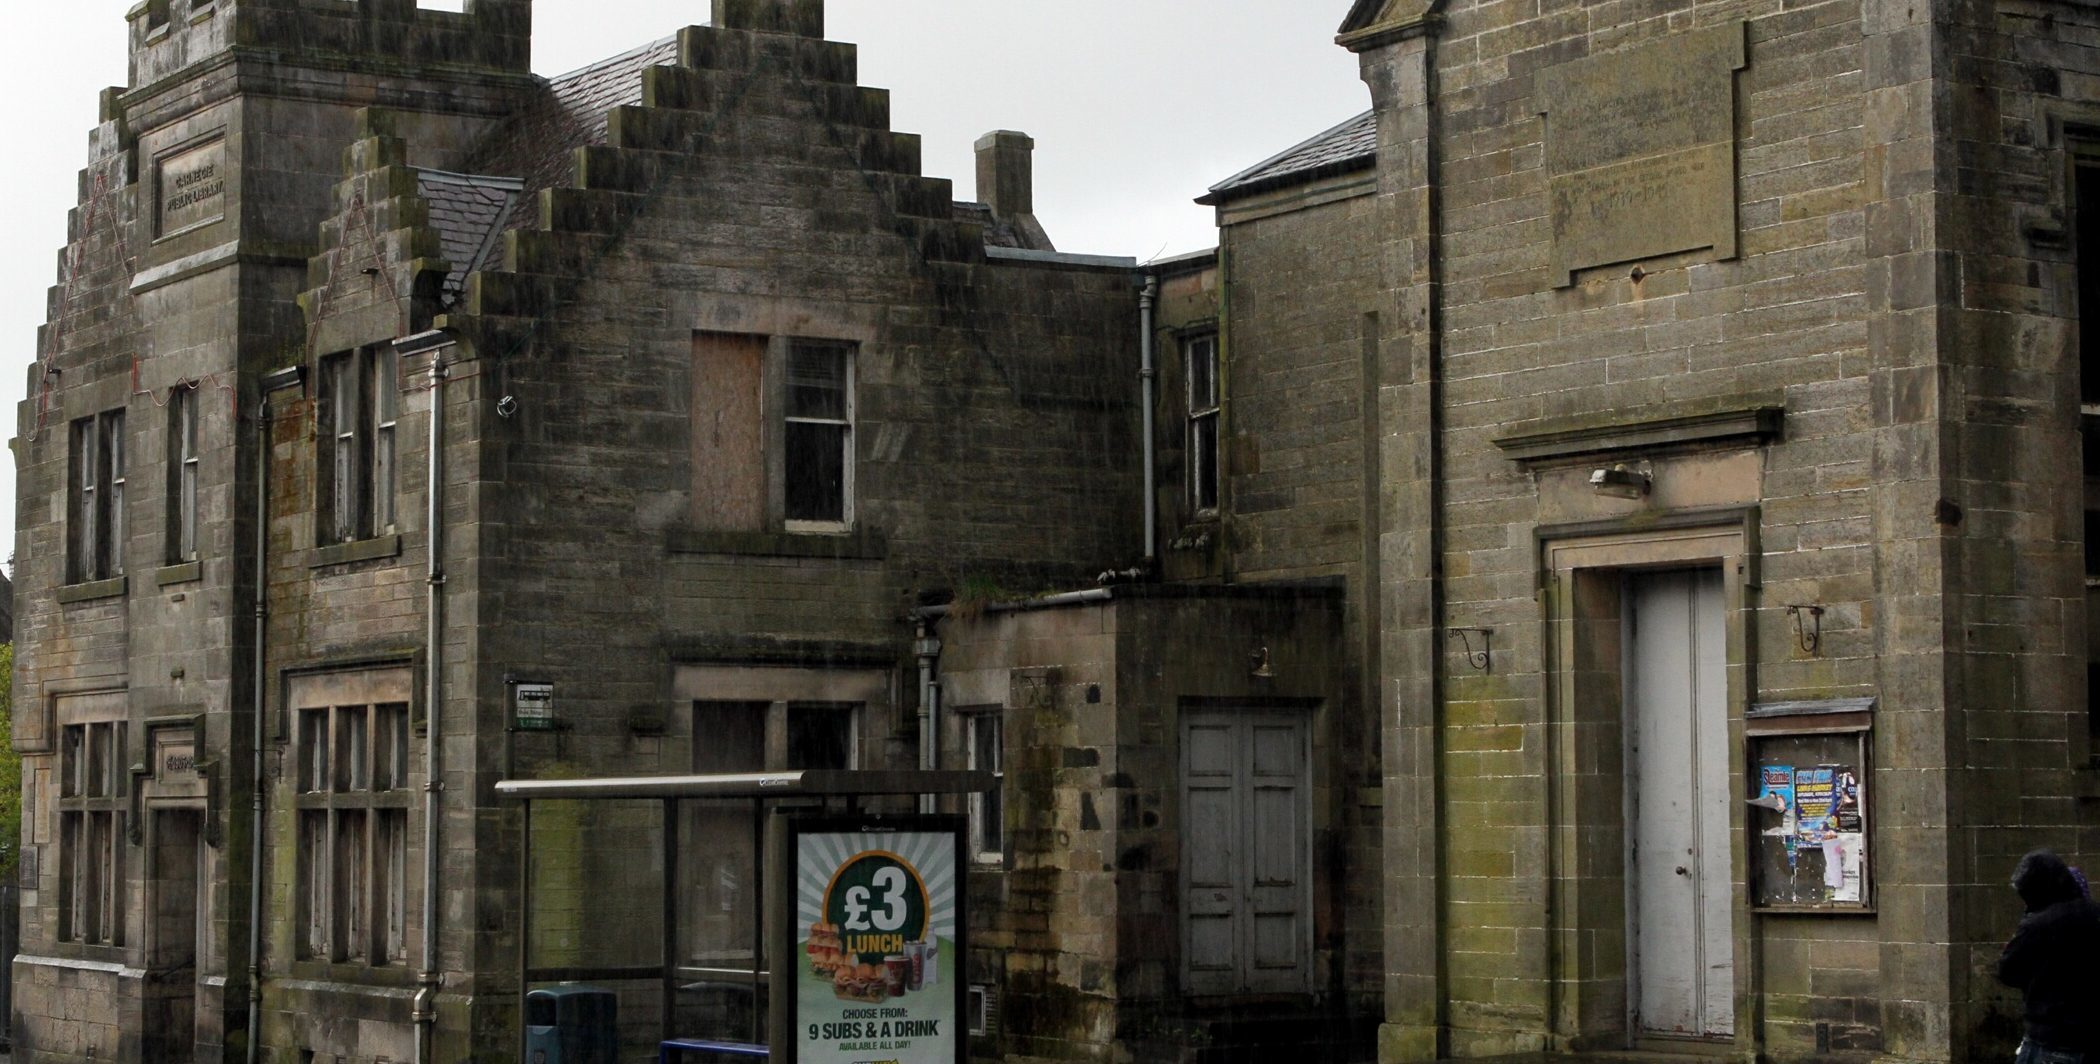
1006,183
803,18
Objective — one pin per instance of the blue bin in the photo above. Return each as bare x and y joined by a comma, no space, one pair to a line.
694,1051
572,1025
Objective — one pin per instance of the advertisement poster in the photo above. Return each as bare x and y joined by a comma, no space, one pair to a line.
1777,794
879,961
1819,831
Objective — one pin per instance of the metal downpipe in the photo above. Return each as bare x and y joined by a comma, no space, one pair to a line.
928,648
259,697
255,781
428,979
1148,376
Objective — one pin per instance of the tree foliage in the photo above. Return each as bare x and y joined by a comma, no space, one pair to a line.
10,770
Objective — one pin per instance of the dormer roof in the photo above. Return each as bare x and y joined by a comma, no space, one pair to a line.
1350,146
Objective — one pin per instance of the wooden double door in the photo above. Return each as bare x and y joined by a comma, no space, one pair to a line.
1246,864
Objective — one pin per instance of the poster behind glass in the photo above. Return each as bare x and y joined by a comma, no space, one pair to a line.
1808,821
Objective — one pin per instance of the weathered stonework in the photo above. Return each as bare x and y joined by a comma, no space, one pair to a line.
731,180
1460,374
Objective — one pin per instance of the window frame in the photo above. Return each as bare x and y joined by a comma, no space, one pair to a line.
341,806
95,481
987,809
93,801
357,473
1205,485
184,470
773,701
847,353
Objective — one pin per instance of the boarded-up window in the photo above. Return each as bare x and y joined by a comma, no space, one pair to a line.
728,450
772,434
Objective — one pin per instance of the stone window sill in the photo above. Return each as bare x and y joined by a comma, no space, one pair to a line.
359,550
863,544
93,589
181,573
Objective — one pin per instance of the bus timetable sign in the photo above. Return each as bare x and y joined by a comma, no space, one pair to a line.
533,706
870,940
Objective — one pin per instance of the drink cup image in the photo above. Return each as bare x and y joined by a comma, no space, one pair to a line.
896,970
915,960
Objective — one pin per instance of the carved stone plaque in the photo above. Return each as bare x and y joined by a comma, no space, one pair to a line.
1640,150
175,757
192,188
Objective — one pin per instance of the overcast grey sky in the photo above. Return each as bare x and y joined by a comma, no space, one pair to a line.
1136,107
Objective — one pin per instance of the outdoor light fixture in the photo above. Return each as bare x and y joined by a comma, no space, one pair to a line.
1619,482
1259,662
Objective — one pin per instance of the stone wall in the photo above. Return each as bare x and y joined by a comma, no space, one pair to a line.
1080,929
1916,492
1304,472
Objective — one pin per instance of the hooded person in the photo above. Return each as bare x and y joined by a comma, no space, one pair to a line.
2054,960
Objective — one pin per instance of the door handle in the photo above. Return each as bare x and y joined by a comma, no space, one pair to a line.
1683,871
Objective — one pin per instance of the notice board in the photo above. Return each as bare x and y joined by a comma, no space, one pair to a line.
1810,844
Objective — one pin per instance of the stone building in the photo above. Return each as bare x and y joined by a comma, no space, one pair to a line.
1729,391
1595,560
715,389
669,395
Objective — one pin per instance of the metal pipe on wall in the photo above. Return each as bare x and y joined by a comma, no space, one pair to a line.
1148,377
259,699
434,343
928,648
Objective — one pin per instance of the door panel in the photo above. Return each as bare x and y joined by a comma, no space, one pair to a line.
1677,804
1211,900
171,977
1244,856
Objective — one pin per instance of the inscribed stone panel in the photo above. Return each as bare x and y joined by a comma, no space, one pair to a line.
192,187
1640,150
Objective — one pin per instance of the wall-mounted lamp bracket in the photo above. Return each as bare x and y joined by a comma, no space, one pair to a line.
1808,635
1479,659
1620,482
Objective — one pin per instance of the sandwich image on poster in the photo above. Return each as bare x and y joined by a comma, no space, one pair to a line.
879,964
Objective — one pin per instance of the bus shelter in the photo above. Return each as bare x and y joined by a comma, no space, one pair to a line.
615,834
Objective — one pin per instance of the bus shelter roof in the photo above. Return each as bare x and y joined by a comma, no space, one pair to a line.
807,783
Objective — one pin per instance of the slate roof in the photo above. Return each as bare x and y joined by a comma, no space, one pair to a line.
469,212
997,234
1353,145
567,114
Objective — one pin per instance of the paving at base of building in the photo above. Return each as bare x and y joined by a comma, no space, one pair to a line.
1597,562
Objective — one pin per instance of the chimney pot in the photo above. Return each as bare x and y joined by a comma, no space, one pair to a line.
1006,173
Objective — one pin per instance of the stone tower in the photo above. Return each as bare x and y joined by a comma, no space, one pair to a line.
207,179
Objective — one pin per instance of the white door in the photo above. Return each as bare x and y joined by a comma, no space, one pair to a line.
1244,853
1677,805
